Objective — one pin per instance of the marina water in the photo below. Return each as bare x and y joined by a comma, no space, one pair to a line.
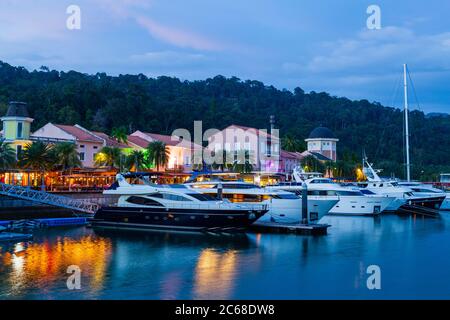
412,253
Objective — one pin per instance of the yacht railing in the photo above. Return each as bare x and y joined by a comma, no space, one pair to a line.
218,206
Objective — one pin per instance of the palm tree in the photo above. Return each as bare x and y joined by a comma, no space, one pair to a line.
120,134
7,155
311,164
67,156
158,154
223,163
38,156
243,163
137,160
292,144
109,157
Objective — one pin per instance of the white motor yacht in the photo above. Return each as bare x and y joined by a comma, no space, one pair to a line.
284,207
148,206
350,200
404,195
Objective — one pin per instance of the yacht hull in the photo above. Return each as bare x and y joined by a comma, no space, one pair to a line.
446,204
176,219
290,211
362,206
433,203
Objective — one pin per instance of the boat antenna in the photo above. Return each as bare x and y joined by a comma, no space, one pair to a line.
405,84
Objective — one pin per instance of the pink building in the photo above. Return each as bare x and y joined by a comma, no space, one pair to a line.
89,143
180,151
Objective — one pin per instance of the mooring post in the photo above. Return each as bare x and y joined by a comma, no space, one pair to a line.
219,191
304,203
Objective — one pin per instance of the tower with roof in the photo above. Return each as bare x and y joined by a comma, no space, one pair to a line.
322,141
16,125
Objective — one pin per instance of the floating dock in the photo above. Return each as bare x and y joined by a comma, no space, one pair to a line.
10,236
305,229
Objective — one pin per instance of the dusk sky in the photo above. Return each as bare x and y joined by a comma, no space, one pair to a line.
321,45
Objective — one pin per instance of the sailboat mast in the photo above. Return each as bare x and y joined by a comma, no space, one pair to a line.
408,165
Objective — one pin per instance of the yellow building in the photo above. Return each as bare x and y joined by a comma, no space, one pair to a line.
16,125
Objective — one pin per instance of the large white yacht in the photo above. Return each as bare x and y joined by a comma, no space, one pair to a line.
284,207
351,201
148,206
403,194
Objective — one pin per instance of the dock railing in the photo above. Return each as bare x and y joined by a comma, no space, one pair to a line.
25,193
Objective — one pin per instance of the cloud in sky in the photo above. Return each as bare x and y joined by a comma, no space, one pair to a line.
177,37
388,45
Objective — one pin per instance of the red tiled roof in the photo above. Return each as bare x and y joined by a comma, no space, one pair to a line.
164,138
168,140
138,141
291,155
78,133
110,142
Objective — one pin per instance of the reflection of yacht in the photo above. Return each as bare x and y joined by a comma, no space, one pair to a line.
351,201
283,206
146,206
404,195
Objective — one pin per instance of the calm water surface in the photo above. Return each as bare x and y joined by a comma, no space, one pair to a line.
412,252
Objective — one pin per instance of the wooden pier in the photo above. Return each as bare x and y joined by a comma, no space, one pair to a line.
303,229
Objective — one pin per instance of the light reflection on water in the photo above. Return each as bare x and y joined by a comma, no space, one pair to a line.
152,265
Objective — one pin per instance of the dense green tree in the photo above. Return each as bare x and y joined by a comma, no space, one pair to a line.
66,156
120,134
110,157
136,160
163,104
224,162
293,144
311,164
158,154
7,155
243,162
38,156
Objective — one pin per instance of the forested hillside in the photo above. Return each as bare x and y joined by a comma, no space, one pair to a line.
102,102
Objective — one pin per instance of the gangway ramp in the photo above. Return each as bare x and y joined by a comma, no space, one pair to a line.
26,193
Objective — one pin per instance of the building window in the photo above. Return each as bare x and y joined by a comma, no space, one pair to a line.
19,130
93,156
95,147
81,145
82,156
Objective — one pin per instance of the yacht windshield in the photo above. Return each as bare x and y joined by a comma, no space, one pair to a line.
321,181
201,197
349,193
365,191
240,186
284,196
